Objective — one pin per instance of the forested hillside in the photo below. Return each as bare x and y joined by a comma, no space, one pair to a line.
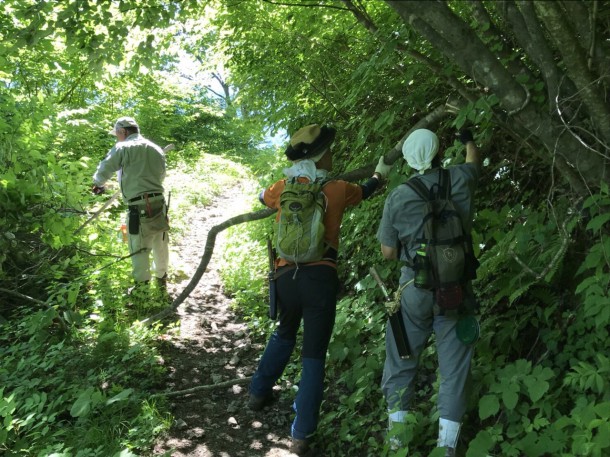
530,78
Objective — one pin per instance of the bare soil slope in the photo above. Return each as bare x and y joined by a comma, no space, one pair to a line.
214,346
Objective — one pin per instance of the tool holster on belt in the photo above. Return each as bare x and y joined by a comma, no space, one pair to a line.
134,220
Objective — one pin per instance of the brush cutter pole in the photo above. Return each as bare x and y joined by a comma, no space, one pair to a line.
272,284
99,211
396,321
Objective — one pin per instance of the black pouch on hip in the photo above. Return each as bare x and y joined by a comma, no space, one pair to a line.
134,220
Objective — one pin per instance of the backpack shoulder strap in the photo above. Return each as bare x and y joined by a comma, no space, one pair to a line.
422,191
444,178
323,181
419,188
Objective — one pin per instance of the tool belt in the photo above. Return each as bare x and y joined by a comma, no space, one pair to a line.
148,217
145,196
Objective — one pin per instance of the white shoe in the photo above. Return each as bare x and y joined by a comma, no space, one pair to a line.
396,444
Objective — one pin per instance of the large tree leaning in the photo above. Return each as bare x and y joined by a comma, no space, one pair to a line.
570,130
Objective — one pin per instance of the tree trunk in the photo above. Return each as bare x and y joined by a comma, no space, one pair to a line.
551,137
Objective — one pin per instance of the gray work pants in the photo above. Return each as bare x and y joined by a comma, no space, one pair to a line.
417,307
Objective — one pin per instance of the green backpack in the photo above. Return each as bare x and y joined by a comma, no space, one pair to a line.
299,232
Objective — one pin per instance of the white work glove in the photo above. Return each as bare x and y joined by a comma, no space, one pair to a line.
382,168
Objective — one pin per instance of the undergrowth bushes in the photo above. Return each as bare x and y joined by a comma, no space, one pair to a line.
540,374
82,395
76,368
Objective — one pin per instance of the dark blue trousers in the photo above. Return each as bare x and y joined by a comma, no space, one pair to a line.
310,296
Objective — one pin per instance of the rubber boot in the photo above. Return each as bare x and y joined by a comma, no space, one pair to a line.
396,428
161,289
139,294
162,282
448,433
309,398
272,364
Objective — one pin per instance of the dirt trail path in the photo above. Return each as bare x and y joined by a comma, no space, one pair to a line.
215,346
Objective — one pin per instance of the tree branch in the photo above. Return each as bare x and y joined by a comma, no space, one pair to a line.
431,119
592,22
452,36
493,34
577,68
24,297
579,14
207,255
307,5
437,68
192,390
556,258
529,35
62,324
392,156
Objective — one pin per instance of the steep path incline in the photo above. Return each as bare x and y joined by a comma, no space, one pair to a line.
213,346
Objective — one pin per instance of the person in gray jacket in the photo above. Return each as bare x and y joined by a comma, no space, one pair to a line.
401,225
140,166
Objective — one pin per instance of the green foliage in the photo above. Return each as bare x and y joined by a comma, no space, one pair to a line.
69,394
244,273
595,269
69,69
531,401
89,367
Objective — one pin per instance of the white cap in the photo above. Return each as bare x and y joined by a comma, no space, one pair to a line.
420,148
123,122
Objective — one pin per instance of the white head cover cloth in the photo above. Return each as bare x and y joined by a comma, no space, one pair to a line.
419,149
306,168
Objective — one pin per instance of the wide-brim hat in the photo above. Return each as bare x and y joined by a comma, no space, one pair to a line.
123,122
310,141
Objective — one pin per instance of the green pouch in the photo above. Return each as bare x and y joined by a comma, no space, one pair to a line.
468,329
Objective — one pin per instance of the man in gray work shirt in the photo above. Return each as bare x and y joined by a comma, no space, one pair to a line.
141,170
401,224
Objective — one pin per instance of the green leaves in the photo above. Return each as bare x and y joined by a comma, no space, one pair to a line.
480,113
597,222
85,402
90,398
43,379
587,376
512,382
480,445
489,405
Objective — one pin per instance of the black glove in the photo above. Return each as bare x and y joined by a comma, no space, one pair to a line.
98,190
465,136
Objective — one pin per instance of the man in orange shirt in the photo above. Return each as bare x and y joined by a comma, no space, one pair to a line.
309,295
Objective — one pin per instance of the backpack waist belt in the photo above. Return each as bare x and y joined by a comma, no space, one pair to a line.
329,256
